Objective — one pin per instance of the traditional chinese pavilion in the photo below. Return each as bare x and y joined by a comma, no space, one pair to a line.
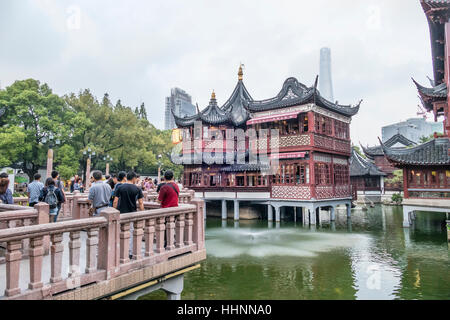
366,178
426,168
313,150
377,155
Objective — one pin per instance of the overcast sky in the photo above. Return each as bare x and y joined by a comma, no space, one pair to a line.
138,50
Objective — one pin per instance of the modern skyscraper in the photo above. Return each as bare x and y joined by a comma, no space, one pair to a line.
325,80
181,102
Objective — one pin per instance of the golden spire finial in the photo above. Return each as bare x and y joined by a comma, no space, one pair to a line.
213,95
240,73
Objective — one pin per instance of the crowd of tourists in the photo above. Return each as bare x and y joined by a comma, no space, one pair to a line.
123,191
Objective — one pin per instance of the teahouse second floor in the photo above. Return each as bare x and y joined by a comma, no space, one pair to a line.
297,119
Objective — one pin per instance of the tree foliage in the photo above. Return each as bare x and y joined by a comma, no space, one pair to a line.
81,122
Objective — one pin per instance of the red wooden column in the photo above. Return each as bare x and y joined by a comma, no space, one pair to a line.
312,178
405,183
447,75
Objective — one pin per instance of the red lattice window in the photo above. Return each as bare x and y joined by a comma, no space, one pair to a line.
322,174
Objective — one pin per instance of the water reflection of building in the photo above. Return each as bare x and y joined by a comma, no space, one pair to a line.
426,168
314,150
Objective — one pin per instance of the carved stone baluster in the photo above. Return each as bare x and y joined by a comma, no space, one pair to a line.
149,235
91,250
124,242
160,230
36,254
170,233
57,249
74,253
13,257
138,233
180,231
188,229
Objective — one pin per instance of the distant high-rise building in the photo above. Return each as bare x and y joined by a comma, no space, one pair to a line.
413,129
325,80
181,102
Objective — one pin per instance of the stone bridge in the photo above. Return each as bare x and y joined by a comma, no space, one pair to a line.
84,257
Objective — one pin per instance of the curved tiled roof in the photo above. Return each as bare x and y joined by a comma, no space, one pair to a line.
236,111
233,111
430,95
434,152
294,93
362,167
372,152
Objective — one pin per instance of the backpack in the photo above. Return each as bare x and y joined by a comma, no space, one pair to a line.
51,198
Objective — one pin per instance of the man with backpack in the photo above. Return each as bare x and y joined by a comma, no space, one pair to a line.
60,186
169,192
53,197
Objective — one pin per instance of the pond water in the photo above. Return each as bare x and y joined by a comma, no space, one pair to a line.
371,257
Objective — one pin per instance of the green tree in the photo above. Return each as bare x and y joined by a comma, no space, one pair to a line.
425,139
33,107
67,161
12,144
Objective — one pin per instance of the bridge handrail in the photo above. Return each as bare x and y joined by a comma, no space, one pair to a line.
34,231
157,213
167,233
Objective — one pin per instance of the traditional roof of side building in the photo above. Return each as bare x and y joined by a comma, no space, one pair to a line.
434,152
372,152
430,95
232,112
236,110
438,13
360,167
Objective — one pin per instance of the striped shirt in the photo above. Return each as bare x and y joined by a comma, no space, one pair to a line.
35,189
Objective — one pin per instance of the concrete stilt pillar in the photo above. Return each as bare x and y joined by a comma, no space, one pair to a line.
236,224
312,217
305,217
295,214
236,210
332,214
269,212
277,225
448,230
277,214
204,211
333,225
224,210
349,210
319,216
224,223
349,225
406,218
174,288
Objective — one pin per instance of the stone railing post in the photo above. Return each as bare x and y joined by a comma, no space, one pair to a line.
13,257
109,244
198,230
43,217
76,212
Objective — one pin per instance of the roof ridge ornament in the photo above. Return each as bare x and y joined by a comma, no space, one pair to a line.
213,95
241,73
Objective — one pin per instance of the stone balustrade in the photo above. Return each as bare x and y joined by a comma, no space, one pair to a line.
13,216
95,251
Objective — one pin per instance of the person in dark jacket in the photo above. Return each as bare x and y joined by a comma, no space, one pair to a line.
53,196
